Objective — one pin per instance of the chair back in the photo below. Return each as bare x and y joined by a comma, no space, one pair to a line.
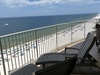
98,35
86,46
61,68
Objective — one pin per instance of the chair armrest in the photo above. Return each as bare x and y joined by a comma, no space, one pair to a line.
70,48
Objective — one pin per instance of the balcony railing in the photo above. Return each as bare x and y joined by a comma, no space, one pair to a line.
24,47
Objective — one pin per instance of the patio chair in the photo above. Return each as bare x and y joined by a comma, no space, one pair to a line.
83,53
61,68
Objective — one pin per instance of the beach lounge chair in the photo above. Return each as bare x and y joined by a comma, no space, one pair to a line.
62,68
83,53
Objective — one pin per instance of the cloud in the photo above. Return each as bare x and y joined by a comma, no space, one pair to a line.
15,3
29,2
93,1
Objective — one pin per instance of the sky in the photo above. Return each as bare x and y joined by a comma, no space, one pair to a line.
21,8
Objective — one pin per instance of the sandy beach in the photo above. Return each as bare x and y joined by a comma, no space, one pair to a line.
28,52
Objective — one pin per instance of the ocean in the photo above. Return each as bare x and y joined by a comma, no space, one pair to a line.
17,24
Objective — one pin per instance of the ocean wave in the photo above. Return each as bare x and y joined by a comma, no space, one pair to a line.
6,24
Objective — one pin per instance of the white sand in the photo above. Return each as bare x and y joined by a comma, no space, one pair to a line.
46,44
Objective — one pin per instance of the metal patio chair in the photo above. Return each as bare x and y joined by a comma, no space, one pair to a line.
62,68
83,53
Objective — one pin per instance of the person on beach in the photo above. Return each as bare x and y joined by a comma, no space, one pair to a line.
97,26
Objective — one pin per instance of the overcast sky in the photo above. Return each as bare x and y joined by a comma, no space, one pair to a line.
18,8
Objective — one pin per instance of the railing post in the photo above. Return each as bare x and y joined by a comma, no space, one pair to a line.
84,29
71,34
36,43
56,39
4,68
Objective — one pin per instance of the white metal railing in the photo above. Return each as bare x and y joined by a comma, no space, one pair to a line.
24,47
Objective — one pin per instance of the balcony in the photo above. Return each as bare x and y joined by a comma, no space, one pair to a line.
21,48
